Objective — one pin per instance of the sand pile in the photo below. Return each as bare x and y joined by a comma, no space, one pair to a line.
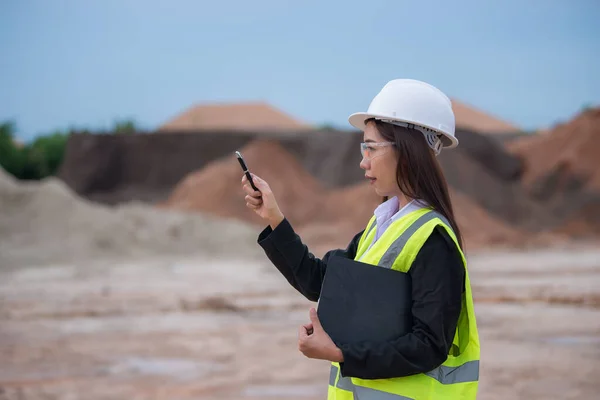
483,170
572,148
481,229
342,214
233,117
346,212
44,222
469,117
7,182
325,219
113,169
561,171
217,188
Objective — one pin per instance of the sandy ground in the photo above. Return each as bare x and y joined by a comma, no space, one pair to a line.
210,328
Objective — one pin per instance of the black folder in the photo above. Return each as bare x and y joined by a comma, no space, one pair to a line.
363,302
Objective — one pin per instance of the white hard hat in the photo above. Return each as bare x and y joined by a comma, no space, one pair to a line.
407,102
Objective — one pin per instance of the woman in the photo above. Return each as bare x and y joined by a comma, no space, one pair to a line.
405,128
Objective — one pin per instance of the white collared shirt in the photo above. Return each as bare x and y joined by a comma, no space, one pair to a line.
388,212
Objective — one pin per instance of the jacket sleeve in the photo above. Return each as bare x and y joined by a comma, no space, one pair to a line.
291,257
437,276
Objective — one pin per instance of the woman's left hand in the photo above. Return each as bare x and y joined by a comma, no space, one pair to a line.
314,342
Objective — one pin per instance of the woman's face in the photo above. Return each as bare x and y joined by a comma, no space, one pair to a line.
379,163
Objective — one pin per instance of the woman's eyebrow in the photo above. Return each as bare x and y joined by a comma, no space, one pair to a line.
370,141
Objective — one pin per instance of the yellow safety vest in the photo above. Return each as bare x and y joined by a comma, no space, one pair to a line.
458,376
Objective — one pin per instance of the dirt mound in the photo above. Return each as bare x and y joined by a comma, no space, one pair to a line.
325,219
45,222
331,156
118,168
561,172
480,167
112,169
233,116
346,212
469,117
341,215
487,151
481,229
493,186
584,222
217,188
571,149
121,168
7,181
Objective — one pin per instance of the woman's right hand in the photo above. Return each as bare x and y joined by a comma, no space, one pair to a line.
263,201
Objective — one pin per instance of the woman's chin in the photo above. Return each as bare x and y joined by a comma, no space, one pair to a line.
380,192
383,193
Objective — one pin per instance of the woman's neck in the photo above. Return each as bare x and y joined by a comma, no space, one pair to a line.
403,200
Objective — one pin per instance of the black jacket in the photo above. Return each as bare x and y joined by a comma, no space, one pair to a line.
437,285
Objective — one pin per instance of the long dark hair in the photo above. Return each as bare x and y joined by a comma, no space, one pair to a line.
418,172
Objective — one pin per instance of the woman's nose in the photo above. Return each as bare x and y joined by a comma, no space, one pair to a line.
364,163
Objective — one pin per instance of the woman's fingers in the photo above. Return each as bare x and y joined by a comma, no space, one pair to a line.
309,328
248,188
258,182
249,191
252,206
253,200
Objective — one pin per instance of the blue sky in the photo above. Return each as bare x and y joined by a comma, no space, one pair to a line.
87,63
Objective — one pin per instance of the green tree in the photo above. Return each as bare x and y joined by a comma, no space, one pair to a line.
37,160
126,127
47,153
12,157
44,156
327,126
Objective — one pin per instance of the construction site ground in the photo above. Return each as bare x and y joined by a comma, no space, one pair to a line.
216,327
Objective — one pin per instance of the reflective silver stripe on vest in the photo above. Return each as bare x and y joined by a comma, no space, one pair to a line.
468,372
361,392
444,220
332,375
373,225
387,261
345,383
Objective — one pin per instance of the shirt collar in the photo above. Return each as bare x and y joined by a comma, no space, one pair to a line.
390,209
386,210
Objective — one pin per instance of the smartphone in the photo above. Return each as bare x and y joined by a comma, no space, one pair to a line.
245,169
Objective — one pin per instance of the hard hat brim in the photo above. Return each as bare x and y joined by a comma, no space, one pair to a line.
357,120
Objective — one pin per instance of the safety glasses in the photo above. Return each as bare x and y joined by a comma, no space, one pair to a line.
370,150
